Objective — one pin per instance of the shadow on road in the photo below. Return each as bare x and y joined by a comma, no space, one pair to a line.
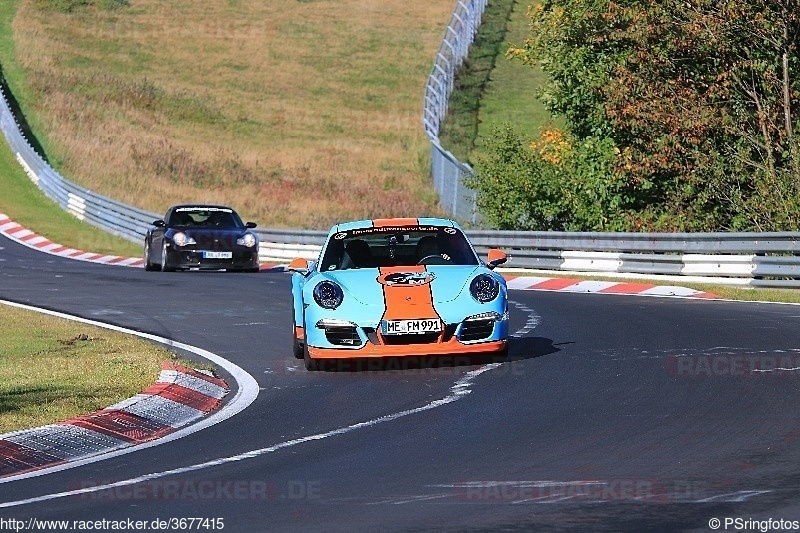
519,349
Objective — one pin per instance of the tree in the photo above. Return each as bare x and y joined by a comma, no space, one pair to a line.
551,184
699,99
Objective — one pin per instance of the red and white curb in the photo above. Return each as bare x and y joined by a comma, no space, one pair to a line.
22,235
532,283
179,397
26,237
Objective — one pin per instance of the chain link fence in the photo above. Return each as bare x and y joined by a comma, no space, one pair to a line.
447,171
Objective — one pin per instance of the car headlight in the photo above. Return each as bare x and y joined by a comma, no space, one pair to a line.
484,288
181,239
328,294
248,239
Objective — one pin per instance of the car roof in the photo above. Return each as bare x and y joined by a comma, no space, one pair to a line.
393,222
201,206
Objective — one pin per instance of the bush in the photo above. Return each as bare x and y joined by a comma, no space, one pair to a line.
554,183
681,117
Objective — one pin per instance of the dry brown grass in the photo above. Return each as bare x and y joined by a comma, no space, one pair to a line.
298,113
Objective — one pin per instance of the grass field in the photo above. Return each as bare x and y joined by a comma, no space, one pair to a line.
299,114
96,368
491,90
510,95
21,199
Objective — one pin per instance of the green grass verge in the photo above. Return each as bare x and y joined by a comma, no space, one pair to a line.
491,90
21,199
460,127
53,369
25,204
510,96
749,294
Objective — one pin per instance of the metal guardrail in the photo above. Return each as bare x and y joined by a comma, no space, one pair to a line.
758,244
741,258
100,211
764,259
685,243
447,171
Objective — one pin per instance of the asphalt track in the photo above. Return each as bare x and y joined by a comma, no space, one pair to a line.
613,413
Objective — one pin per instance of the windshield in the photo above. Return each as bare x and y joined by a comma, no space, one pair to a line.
403,246
205,217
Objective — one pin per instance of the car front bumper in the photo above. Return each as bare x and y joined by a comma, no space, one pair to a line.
339,339
188,258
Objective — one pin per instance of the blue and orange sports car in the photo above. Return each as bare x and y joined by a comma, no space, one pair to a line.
398,287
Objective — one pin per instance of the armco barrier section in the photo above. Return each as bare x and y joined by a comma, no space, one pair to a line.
755,259
447,171
763,259
100,211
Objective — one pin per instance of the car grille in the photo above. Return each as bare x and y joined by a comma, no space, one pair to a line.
342,335
475,330
422,338
196,257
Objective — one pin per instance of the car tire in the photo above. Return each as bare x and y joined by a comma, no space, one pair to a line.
297,346
148,264
164,267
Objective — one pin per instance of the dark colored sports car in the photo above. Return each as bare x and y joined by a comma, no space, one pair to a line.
197,236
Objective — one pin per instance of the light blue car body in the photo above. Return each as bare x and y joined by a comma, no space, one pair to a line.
364,305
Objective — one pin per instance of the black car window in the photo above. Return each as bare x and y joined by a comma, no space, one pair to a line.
211,218
372,247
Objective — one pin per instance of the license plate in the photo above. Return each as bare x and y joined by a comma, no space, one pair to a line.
410,327
217,255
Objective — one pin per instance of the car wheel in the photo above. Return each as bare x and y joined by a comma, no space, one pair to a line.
164,267
297,346
148,264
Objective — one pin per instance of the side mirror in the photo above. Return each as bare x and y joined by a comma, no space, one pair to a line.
251,225
159,223
496,258
300,266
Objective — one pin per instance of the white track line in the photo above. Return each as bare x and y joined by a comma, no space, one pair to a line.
460,389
